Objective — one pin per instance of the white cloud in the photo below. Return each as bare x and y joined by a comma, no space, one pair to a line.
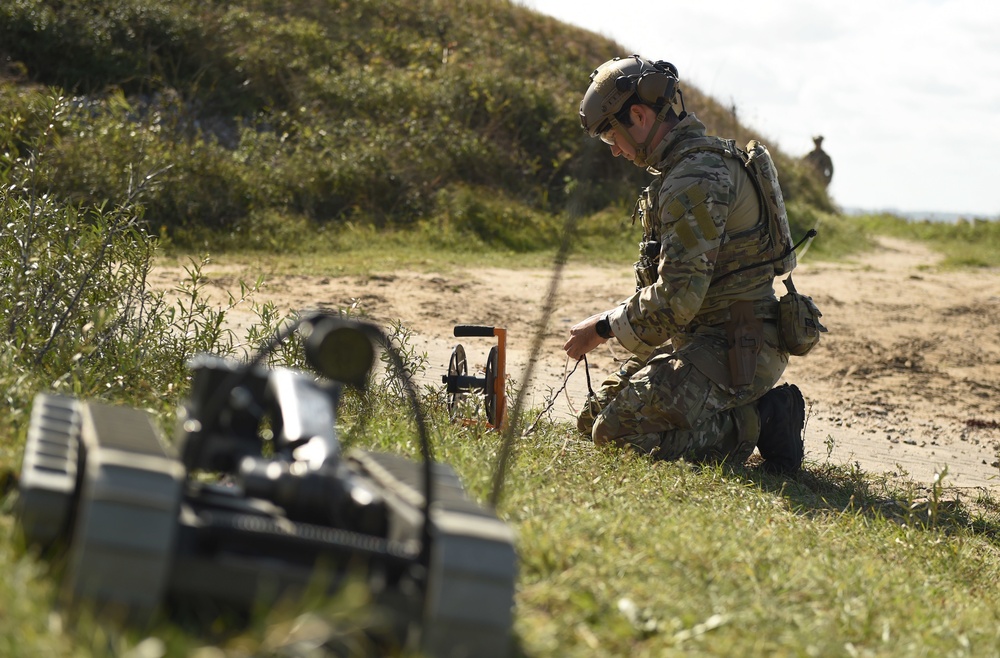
904,91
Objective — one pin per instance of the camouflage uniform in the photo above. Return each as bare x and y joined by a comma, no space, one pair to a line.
677,395
820,160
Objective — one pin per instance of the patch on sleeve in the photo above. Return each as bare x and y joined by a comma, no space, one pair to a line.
690,228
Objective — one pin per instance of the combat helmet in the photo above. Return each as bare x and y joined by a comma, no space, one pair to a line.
614,82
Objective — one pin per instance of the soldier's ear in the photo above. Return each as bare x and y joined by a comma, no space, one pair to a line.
638,116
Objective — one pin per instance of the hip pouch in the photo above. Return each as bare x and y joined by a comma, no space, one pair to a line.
799,327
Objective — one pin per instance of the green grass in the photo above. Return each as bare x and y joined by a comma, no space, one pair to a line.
301,166
622,556
967,243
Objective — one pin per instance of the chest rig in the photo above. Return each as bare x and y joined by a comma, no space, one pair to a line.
768,243
746,259
646,211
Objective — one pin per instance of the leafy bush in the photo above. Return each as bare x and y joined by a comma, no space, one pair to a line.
76,311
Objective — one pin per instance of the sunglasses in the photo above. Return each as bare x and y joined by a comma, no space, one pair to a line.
608,135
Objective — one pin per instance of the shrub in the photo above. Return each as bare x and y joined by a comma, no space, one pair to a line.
76,312
477,214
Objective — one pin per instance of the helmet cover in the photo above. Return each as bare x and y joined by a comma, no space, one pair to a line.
617,80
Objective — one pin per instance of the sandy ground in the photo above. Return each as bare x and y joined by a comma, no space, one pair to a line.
906,383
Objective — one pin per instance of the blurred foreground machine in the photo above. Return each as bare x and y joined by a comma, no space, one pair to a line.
261,499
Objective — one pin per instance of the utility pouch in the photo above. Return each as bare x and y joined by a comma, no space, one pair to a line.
799,327
648,266
745,332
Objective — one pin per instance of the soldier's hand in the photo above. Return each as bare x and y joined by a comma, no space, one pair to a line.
583,337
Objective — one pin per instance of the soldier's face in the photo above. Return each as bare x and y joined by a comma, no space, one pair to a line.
619,144
622,145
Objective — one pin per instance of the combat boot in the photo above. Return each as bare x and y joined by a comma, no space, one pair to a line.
782,416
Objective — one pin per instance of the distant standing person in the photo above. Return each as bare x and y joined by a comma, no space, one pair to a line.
702,323
820,160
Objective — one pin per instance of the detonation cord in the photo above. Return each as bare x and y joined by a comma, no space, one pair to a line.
555,396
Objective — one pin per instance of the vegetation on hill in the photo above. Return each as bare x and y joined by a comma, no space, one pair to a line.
290,125
262,120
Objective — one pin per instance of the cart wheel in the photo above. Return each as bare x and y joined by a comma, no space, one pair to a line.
457,367
491,394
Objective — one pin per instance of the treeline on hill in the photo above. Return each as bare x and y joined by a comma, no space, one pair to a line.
252,121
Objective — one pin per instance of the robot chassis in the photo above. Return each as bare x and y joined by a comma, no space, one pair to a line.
240,518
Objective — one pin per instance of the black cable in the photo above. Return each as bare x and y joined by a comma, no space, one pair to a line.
425,444
548,307
215,403
811,233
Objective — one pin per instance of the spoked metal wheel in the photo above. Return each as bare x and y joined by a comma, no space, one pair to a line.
457,367
491,380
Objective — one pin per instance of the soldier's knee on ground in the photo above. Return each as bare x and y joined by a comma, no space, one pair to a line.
585,423
589,413
602,431
647,443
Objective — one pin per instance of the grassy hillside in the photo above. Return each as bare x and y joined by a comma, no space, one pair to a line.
265,120
322,125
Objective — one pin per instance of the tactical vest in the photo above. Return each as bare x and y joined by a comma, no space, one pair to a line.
758,253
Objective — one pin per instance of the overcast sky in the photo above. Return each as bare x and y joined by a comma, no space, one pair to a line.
906,93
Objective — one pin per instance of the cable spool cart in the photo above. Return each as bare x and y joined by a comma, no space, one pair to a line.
458,382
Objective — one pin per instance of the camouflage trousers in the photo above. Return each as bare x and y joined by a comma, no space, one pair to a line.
679,402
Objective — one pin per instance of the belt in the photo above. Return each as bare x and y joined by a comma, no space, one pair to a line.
765,309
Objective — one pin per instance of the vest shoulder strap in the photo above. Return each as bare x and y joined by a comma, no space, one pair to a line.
725,147
760,170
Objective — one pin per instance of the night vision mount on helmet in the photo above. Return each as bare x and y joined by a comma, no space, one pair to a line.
616,81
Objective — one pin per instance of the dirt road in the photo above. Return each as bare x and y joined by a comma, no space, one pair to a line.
906,382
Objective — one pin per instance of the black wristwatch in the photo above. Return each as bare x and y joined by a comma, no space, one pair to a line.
603,327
